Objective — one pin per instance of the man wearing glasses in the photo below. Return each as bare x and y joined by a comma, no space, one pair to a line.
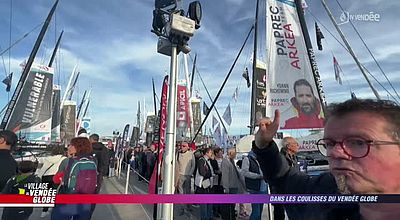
362,143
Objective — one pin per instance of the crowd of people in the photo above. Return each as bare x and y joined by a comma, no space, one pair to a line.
141,158
77,169
214,173
361,141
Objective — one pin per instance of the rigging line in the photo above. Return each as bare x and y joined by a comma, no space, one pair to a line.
376,80
370,52
344,78
4,65
17,41
9,52
209,96
223,84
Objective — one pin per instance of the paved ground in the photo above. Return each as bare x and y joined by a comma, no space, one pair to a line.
109,211
131,211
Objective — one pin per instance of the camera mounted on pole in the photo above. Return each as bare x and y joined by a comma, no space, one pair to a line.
172,26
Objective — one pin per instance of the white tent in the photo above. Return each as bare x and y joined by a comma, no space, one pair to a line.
244,144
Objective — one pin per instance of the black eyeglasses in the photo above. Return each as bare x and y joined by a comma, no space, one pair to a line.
352,146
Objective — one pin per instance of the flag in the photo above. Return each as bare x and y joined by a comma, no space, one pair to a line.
246,77
8,81
235,94
155,177
337,70
319,35
353,95
206,109
197,94
217,136
227,116
23,64
214,122
224,139
304,4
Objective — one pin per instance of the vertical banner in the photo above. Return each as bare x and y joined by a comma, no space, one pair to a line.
125,136
196,110
182,118
68,121
261,92
156,135
31,116
86,124
135,136
291,85
161,144
150,124
56,114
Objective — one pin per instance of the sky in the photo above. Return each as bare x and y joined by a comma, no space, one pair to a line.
117,54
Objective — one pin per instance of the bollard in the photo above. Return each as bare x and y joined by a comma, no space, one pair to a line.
118,168
127,178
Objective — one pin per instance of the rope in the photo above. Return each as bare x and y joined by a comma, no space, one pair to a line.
9,52
376,80
145,180
369,51
23,37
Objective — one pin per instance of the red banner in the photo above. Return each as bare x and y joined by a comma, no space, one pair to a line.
161,145
182,117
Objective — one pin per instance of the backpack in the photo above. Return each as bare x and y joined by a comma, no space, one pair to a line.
18,182
80,176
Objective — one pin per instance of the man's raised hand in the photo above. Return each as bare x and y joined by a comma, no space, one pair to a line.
267,130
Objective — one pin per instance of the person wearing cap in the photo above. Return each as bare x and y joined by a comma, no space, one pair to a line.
8,165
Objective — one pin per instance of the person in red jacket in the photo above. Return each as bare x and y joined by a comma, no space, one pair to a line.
306,107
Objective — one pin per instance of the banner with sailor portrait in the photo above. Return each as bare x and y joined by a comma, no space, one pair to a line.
293,82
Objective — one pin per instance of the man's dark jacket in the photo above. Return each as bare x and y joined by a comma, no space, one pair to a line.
8,167
288,180
101,154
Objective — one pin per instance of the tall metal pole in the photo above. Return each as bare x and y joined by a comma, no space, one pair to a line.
154,97
55,49
311,55
193,71
253,80
189,94
349,49
169,153
68,86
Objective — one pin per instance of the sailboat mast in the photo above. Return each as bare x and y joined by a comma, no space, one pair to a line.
193,71
138,119
154,97
349,48
189,95
253,84
86,108
24,75
311,54
68,86
55,49
71,91
81,105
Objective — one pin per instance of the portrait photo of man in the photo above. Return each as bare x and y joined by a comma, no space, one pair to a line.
305,111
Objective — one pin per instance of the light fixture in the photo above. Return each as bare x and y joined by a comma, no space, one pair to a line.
195,12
